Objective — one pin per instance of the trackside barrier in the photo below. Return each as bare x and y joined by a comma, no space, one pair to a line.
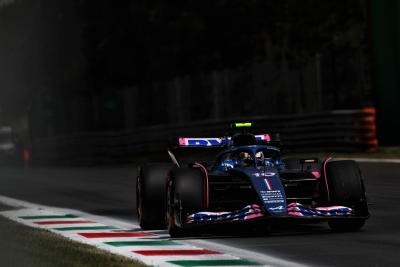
339,130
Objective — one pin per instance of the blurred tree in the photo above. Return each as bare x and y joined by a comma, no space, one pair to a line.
129,43
128,40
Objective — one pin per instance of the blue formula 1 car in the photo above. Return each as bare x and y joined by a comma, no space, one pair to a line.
247,180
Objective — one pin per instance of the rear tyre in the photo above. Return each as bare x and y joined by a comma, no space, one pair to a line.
186,195
346,188
151,194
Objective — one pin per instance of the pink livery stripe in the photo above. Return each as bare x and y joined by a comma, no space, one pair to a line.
326,179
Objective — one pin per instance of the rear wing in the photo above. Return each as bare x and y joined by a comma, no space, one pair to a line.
221,141
205,149
201,141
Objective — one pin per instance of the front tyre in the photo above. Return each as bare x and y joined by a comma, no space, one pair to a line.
186,195
346,188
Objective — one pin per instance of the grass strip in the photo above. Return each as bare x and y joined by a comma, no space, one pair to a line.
21,245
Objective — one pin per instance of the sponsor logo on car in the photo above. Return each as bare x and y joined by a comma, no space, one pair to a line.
277,208
264,174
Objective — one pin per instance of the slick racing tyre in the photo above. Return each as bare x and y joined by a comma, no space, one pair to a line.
346,188
186,195
151,194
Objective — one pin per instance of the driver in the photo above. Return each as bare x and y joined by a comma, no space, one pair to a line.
245,159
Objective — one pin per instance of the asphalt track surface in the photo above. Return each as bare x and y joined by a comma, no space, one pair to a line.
110,191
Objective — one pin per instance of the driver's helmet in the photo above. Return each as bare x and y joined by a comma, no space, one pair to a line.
245,158
260,158
245,155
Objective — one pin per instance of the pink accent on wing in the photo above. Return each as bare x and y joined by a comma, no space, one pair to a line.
182,141
267,137
253,216
316,174
206,186
309,161
256,209
326,178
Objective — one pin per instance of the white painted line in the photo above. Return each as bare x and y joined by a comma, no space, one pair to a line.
226,252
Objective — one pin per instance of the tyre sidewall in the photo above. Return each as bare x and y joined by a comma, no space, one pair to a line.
346,186
152,194
186,196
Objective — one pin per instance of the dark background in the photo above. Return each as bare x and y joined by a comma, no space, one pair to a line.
90,66
89,82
